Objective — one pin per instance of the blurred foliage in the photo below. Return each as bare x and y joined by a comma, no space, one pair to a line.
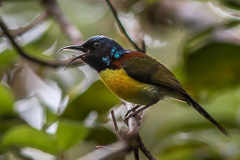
212,73
22,136
7,101
231,4
97,91
45,112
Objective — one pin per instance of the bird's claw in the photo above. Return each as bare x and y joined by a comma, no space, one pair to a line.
131,110
127,116
128,112
133,114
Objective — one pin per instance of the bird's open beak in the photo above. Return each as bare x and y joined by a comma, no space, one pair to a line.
74,48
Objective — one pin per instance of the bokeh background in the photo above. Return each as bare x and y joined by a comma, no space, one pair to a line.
47,113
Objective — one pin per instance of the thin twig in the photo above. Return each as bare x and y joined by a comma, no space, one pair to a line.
27,56
144,149
68,28
122,29
33,23
117,132
134,138
132,133
136,154
130,136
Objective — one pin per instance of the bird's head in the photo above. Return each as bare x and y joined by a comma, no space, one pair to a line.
98,52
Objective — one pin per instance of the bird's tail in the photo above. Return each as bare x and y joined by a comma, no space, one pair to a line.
199,108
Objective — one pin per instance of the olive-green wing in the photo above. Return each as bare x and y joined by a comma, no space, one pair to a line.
148,70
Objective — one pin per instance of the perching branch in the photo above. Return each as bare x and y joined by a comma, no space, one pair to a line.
133,134
136,154
130,137
122,29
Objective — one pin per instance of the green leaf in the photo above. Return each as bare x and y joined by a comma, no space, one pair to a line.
213,66
102,135
7,57
7,101
198,39
70,133
97,98
25,136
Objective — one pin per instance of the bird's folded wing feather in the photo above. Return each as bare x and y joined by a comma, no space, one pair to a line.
148,70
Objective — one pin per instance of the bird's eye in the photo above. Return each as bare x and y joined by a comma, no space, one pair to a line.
96,45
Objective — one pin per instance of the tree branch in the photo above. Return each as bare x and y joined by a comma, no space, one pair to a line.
117,132
21,52
68,28
33,23
122,29
130,137
136,154
52,9
144,149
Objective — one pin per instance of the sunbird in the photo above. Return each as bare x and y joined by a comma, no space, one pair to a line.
134,76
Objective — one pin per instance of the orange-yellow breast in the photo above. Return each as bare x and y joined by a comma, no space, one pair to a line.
128,88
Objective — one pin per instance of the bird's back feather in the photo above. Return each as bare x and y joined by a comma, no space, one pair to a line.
148,70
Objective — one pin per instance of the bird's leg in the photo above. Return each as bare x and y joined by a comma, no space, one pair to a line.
139,110
131,110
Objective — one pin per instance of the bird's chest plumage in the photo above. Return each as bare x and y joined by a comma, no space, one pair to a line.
127,88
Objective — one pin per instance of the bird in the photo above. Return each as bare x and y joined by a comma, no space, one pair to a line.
134,76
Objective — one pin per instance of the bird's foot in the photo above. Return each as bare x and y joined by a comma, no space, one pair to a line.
133,114
131,110
127,116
